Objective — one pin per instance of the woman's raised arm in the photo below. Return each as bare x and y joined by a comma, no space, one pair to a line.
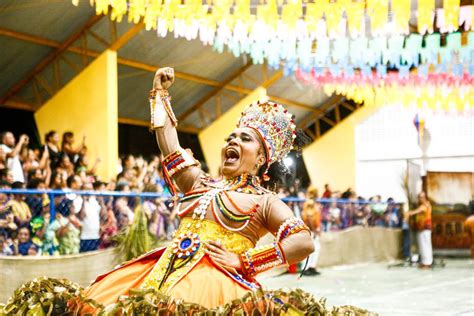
178,164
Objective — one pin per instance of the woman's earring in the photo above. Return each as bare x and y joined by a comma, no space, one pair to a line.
256,166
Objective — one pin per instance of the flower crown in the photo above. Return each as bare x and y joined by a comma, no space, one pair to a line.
275,126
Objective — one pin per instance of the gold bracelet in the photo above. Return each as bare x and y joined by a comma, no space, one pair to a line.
166,101
162,92
262,258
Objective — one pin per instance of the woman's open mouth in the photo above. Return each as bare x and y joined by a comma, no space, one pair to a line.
231,155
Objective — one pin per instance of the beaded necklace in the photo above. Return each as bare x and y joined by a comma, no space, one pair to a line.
205,197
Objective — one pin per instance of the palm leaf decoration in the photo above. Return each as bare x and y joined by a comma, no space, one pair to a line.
48,296
135,239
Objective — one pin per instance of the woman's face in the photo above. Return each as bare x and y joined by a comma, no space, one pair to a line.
38,173
66,162
58,180
31,155
422,197
54,139
241,153
70,140
129,162
110,186
9,176
23,235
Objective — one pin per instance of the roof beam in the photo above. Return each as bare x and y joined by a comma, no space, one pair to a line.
231,78
214,92
152,68
293,104
122,40
18,105
271,81
28,38
52,56
348,106
321,110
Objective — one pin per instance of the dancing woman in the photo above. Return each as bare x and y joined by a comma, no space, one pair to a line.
213,258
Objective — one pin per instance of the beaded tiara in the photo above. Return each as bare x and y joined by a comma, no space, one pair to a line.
275,126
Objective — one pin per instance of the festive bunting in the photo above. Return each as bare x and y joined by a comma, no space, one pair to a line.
466,17
439,92
295,27
346,37
401,16
378,13
448,17
366,76
425,16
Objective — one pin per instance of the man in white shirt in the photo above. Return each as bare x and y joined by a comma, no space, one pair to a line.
74,182
12,152
89,215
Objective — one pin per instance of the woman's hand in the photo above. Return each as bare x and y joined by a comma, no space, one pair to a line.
164,78
221,255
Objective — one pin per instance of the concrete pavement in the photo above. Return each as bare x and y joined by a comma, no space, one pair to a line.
394,291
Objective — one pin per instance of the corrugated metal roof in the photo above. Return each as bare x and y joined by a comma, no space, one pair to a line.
57,20
53,19
17,58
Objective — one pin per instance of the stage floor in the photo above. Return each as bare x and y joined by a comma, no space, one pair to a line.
394,291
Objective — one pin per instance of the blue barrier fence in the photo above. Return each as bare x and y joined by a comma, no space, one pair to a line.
335,214
52,194
55,193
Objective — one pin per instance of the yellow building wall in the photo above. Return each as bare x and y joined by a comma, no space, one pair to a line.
212,137
87,105
331,159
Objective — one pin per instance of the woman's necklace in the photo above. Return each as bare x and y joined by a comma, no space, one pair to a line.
214,195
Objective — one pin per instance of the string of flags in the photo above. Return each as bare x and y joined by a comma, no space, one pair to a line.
307,34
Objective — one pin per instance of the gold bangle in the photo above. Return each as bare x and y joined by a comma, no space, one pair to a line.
166,100
163,93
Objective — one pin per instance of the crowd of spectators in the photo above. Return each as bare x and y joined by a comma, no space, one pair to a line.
340,210
88,222
82,223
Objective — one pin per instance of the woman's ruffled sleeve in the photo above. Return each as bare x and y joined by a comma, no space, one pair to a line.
181,171
292,242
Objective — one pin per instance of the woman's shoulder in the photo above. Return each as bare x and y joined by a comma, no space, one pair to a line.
271,198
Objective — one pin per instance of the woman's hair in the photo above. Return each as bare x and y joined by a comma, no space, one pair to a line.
49,136
67,136
278,171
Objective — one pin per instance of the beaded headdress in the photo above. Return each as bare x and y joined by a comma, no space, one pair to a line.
275,126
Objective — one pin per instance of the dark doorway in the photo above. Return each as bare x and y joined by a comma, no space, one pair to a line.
138,140
20,122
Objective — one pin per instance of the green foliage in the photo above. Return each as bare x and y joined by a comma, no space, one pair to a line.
46,296
135,239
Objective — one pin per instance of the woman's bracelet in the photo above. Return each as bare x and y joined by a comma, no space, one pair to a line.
162,92
159,109
262,258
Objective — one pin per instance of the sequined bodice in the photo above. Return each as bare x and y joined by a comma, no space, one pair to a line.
216,200
206,215
187,250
